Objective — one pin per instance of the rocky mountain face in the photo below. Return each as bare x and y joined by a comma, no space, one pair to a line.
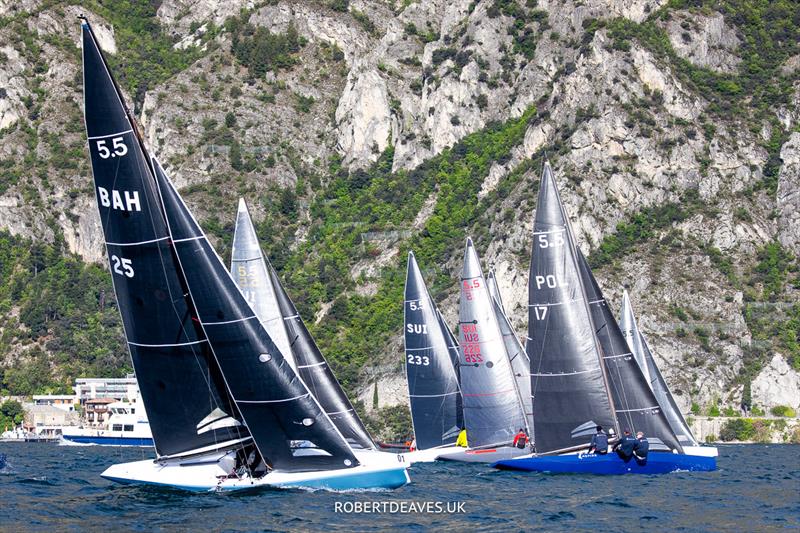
673,128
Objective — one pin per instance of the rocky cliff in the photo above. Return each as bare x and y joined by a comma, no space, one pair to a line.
672,127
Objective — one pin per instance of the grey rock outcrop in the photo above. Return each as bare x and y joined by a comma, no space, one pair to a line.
704,40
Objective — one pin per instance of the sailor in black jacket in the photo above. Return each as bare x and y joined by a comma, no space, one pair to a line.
599,442
642,446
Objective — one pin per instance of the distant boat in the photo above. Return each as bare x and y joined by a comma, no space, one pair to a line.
225,407
127,426
493,408
262,288
582,372
644,357
431,363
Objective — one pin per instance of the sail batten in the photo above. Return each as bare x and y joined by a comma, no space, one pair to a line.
430,352
179,380
493,410
568,383
644,358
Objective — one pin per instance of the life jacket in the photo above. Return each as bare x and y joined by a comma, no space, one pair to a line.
520,440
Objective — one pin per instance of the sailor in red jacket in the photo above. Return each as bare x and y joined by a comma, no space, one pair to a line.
521,439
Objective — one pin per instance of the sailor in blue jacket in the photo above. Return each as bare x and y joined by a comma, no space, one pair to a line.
624,447
599,442
641,447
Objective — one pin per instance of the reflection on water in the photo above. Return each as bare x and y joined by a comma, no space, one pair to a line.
47,487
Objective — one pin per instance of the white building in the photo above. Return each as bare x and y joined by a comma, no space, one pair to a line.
65,402
114,388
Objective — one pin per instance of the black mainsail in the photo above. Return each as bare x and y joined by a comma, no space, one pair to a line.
568,382
433,390
276,406
516,352
188,404
493,409
317,374
636,406
249,271
644,357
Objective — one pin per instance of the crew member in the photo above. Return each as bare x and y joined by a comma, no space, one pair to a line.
521,439
462,438
599,442
624,447
642,446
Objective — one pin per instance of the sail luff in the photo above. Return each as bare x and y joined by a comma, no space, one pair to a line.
434,393
568,386
179,381
492,408
644,357
275,404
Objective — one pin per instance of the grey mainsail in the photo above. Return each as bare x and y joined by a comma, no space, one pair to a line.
249,271
516,352
644,357
568,381
275,404
493,410
636,406
433,390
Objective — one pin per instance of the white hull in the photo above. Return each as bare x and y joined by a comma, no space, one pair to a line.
430,455
701,451
211,473
484,455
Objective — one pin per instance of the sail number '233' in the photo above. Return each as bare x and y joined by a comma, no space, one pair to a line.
118,145
418,359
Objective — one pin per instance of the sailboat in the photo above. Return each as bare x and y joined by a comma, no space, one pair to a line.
517,355
493,408
644,357
431,354
261,286
224,405
582,372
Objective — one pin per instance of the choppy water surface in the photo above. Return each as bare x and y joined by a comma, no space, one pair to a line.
757,488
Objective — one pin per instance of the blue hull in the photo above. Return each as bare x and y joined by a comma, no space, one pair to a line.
110,441
610,464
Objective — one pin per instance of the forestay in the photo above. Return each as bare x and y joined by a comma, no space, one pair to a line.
187,402
644,357
568,384
636,406
493,409
433,390
276,405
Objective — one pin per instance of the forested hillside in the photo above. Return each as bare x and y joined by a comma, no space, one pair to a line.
359,130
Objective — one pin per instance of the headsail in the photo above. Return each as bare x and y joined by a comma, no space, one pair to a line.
275,404
636,406
644,357
433,391
179,379
249,271
516,352
315,372
493,409
568,383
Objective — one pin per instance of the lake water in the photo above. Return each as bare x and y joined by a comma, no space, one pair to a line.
756,488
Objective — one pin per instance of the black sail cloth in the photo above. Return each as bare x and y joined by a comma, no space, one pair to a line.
433,390
188,405
644,357
262,288
568,385
636,406
275,404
